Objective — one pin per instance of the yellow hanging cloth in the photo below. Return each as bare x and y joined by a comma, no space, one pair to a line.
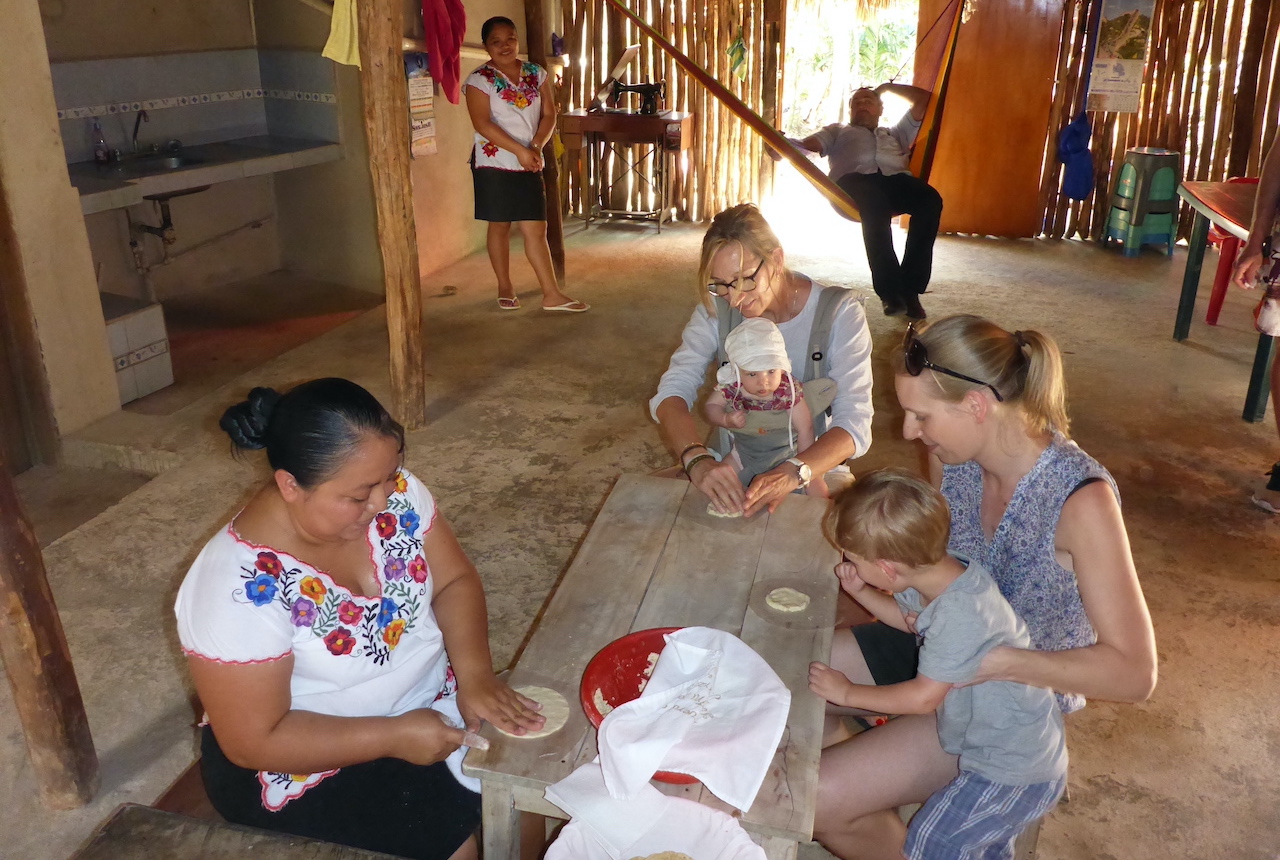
344,41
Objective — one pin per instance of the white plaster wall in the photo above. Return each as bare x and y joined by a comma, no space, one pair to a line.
50,238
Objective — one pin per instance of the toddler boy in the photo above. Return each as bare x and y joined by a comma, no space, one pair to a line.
893,529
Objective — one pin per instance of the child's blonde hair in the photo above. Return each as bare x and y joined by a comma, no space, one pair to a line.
890,514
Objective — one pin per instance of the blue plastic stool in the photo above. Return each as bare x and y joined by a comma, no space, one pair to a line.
1145,202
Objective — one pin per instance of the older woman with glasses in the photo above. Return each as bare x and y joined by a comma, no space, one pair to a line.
1042,516
743,274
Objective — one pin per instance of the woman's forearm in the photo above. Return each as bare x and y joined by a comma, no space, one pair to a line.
495,135
1096,672
307,742
830,450
677,424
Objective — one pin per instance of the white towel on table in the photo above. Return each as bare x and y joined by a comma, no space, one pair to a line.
713,709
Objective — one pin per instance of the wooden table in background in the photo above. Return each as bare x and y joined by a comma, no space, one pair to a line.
655,558
589,135
1229,206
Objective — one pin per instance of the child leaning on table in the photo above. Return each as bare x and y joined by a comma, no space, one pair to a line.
893,529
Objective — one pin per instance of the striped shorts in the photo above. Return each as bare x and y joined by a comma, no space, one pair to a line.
973,818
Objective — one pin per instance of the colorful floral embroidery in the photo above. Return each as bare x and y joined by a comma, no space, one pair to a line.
490,149
313,588
386,525
303,613
418,569
402,485
340,641
520,94
349,612
393,632
269,563
261,589
394,569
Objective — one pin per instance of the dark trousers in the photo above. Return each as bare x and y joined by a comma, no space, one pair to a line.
879,198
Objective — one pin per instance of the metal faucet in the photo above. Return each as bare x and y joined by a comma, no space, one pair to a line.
142,117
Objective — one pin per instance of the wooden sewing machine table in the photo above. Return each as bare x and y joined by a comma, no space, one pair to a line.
592,137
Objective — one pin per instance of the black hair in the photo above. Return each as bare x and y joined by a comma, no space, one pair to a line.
310,430
496,21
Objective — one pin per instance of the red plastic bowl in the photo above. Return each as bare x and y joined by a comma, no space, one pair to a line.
616,671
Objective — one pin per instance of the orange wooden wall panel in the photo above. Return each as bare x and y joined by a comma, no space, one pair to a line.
991,139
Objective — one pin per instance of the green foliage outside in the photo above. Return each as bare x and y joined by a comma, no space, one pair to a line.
830,53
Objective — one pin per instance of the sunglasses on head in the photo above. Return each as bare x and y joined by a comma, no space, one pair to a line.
916,360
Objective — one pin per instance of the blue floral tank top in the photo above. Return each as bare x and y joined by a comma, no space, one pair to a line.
1021,554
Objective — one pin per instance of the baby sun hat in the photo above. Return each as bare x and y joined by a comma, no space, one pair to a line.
756,344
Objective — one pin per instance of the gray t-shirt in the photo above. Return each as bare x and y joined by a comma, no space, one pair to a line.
1006,732
857,149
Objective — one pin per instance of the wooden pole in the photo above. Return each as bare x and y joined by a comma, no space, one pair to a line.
34,650
386,125
772,137
535,31
1242,122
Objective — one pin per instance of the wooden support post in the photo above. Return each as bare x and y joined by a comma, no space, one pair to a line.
385,95
38,663
774,52
536,41
1246,96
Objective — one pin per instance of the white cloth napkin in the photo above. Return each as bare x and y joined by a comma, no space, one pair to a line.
713,709
604,828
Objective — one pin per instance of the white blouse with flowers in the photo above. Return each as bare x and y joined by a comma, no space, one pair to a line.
354,656
514,106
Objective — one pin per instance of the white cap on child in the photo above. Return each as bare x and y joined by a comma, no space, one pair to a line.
755,344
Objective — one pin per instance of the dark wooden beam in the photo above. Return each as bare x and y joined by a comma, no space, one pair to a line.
1242,121
536,41
36,659
385,95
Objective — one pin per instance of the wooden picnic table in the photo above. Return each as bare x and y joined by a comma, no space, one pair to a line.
656,558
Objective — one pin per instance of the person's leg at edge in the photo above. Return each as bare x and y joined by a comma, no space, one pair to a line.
1268,496
538,253
468,850
498,243
868,193
924,204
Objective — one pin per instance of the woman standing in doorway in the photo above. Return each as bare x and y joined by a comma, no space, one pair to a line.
514,115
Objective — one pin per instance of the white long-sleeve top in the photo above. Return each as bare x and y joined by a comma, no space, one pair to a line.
849,351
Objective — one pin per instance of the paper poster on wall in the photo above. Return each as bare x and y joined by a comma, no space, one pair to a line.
1124,34
422,113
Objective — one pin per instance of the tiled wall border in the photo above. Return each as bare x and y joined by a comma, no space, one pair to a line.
200,99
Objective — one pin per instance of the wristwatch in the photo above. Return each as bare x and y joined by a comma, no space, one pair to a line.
806,474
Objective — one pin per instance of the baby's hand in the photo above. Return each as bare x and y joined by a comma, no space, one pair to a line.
828,683
735,420
847,571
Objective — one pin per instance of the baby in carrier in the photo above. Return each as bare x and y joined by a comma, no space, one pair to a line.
757,378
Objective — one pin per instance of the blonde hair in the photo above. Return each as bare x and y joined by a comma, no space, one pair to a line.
740,225
893,515
1024,366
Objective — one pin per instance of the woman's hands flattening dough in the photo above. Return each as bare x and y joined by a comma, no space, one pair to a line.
768,489
495,702
719,483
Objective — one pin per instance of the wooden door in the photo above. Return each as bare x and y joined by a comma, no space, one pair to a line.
991,139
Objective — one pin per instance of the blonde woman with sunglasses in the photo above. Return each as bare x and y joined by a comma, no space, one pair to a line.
743,275
1042,516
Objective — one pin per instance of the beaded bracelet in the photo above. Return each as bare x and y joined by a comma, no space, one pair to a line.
687,449
688,467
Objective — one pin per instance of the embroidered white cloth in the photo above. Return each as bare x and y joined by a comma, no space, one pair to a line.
604,828
713,709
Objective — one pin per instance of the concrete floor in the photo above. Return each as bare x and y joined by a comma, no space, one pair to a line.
532,417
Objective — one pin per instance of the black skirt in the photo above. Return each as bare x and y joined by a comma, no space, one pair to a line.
387,805
508,195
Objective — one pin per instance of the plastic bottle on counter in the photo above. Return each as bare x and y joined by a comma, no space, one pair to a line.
101,152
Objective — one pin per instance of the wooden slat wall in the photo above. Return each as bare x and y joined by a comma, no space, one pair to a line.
1197,63
721,169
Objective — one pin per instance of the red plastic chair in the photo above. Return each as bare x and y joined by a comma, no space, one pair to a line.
1228,248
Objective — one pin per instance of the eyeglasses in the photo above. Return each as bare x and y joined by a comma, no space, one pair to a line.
916,359
720,290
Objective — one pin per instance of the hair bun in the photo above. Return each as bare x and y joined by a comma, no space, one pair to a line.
246,422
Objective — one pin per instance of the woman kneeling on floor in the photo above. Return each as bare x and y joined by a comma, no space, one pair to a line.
337,636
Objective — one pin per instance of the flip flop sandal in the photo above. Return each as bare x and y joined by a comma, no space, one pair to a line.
570,307
508,303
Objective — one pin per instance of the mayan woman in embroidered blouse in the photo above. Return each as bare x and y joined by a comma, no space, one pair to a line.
337,636
1041,515
512,107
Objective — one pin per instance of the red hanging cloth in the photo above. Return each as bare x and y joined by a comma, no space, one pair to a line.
445,22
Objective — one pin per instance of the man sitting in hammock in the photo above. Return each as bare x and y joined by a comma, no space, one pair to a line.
870,163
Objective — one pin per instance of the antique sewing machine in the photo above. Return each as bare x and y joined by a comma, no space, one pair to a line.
651,95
